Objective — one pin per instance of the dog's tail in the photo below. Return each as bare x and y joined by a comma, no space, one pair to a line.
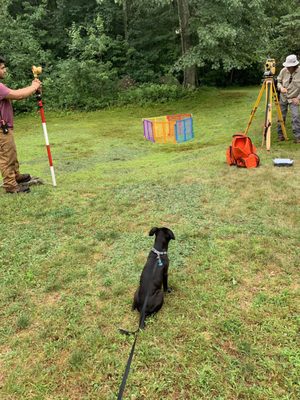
127,333
142,323
141,327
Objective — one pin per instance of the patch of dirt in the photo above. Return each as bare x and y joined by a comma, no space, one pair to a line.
52,298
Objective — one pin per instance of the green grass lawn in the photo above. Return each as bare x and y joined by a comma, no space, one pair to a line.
71,257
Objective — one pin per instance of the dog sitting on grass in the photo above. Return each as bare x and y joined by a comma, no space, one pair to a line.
149,297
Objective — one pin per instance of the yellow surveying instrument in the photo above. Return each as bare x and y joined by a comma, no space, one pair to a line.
271,94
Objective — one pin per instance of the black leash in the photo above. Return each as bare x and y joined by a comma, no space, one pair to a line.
128,365
142,320
127,369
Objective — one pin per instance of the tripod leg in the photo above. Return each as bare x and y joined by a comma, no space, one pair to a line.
255,108
268,115
279,113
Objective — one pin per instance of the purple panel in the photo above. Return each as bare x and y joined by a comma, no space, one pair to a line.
148,130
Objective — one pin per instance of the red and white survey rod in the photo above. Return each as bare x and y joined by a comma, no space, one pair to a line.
36,71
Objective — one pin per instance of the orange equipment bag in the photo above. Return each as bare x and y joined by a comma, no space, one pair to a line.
242,152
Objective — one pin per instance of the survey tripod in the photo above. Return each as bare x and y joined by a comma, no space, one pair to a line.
271,94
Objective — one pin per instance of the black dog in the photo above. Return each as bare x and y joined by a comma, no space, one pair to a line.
149,297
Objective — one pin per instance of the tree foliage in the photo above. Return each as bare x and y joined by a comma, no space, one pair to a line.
93,49
287,39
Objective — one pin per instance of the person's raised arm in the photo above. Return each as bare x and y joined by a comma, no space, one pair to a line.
23,93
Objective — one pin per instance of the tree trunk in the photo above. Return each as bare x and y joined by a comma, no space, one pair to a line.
190,75
125,19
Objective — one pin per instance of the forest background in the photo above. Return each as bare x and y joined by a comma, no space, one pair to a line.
70,258
97,53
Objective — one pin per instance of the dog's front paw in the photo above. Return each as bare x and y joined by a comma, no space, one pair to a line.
169,290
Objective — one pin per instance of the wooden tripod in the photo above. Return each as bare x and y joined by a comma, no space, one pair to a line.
268,86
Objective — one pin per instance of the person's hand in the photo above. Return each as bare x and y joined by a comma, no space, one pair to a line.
283,90
36,84
296,101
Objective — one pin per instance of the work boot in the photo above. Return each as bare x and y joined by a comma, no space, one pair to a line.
33,181
21,178
18,189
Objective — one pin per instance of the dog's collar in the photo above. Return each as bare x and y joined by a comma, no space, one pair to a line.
159,253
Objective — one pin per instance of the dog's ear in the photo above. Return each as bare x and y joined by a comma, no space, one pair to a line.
153,231
172,236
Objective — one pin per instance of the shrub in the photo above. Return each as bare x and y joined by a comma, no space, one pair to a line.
80,85
150,93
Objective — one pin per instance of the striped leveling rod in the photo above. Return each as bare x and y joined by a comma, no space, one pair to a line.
40,104
36,71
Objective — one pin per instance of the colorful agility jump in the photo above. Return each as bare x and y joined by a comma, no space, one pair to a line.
176,128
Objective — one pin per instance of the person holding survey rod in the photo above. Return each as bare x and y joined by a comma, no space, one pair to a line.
13,180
